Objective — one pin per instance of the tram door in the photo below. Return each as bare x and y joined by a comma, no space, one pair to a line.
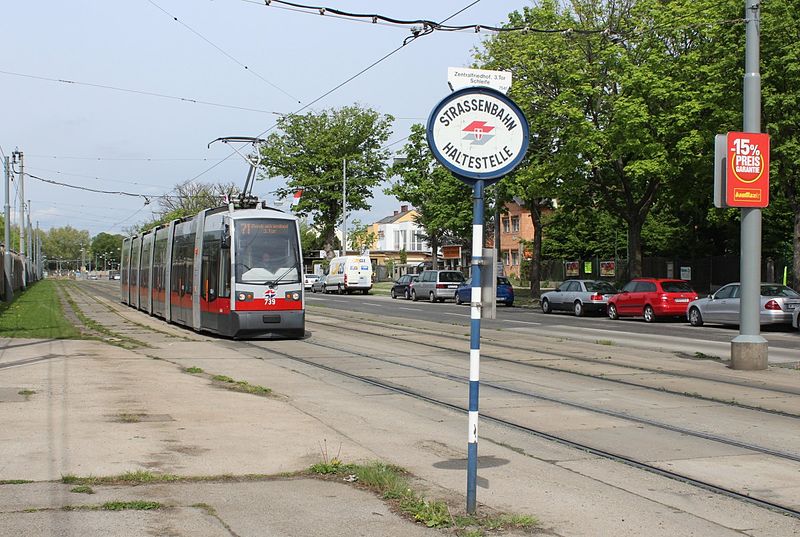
210,299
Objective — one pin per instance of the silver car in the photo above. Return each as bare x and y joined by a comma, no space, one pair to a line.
778,304
579,297
437,285
796,318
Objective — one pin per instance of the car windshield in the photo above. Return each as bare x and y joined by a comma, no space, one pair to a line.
676,287
452,277
503,281
266,251
779,291
600,287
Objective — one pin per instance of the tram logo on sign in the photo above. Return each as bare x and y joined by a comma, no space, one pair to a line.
478,132
269,297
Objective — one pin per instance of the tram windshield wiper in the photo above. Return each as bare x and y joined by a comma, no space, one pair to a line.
281,277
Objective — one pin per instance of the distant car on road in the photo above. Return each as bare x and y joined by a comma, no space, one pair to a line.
318,286
309,279
579,297
113,275
652,298
437,285
504,295
778,305
402,286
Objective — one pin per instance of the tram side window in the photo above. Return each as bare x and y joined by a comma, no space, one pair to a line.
225,273
177,267
189,263
210,267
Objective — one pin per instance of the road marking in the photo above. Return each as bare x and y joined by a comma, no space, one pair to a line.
513,321
371,304
408,309
456,314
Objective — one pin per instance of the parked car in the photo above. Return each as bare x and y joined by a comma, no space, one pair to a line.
318,286
652,298
402,285
437,285
504,295
796,318
309,279
579,297
778,304
113,275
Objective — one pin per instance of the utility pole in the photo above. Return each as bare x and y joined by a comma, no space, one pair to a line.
749,349
9,289
29,247
344,206
17,154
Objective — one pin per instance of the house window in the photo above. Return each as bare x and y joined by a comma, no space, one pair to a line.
506,258
380,234
515,224
505,225
515,258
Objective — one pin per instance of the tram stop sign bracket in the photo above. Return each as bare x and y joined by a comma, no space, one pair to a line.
478,134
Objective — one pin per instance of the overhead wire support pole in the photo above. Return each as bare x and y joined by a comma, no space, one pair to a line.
749,350
344,206
9,289
474,344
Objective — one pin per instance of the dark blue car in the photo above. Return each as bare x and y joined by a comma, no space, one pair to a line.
505,293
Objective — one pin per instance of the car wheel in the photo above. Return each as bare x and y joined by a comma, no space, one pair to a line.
394,295
695,319
649,314
458,299
546,306
509,304
407,295
313,289
578,308
432,297
414,295
612,312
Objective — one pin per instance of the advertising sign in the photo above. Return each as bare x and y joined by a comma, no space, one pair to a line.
462,77
572,268
747,169
478,134
608,268
451,252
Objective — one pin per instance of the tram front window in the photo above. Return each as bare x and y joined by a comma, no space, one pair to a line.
266,251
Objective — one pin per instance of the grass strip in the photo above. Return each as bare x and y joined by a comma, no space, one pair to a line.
112,337
36,314
14,481
240,385
144,477
392,484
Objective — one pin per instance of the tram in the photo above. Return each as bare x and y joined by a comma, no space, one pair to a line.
235,271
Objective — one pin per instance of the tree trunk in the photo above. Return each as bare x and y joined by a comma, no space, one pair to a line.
434,252
328,244
634,248
536,262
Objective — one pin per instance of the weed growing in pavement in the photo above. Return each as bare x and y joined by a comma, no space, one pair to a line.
222,378
14,481
129,418
82,489
26,393
241,385
209,510
194,370
136,505
392,484
605,342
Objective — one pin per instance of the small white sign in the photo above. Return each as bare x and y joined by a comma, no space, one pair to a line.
462,77
686,273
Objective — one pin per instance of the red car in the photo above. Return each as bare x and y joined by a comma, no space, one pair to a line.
651,298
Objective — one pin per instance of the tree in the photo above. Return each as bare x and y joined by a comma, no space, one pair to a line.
359,237
107,245
13,234
443,202
66,244
310,151
188,199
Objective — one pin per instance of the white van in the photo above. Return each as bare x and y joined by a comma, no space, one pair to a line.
349,273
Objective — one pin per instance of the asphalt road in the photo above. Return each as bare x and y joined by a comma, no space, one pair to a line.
673,335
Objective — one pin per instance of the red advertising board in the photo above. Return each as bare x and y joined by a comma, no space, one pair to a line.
747,170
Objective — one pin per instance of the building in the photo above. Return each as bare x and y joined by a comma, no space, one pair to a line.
516,230
394,233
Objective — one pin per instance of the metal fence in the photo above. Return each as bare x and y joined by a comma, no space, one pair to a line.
706,274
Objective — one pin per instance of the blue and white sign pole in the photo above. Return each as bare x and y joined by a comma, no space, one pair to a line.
480,135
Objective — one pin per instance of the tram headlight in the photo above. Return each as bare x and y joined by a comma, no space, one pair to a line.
244,296
292,295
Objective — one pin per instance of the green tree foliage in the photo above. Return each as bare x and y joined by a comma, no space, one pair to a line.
188,199
310,150
14,234
107,245
65,244
443,202
360,237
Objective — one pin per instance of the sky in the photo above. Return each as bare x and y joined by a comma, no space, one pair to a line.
80,133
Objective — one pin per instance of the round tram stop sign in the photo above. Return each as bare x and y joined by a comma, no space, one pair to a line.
478,134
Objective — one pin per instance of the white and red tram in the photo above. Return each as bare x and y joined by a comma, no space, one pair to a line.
233,272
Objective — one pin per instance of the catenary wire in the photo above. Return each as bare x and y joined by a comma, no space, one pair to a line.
226,54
